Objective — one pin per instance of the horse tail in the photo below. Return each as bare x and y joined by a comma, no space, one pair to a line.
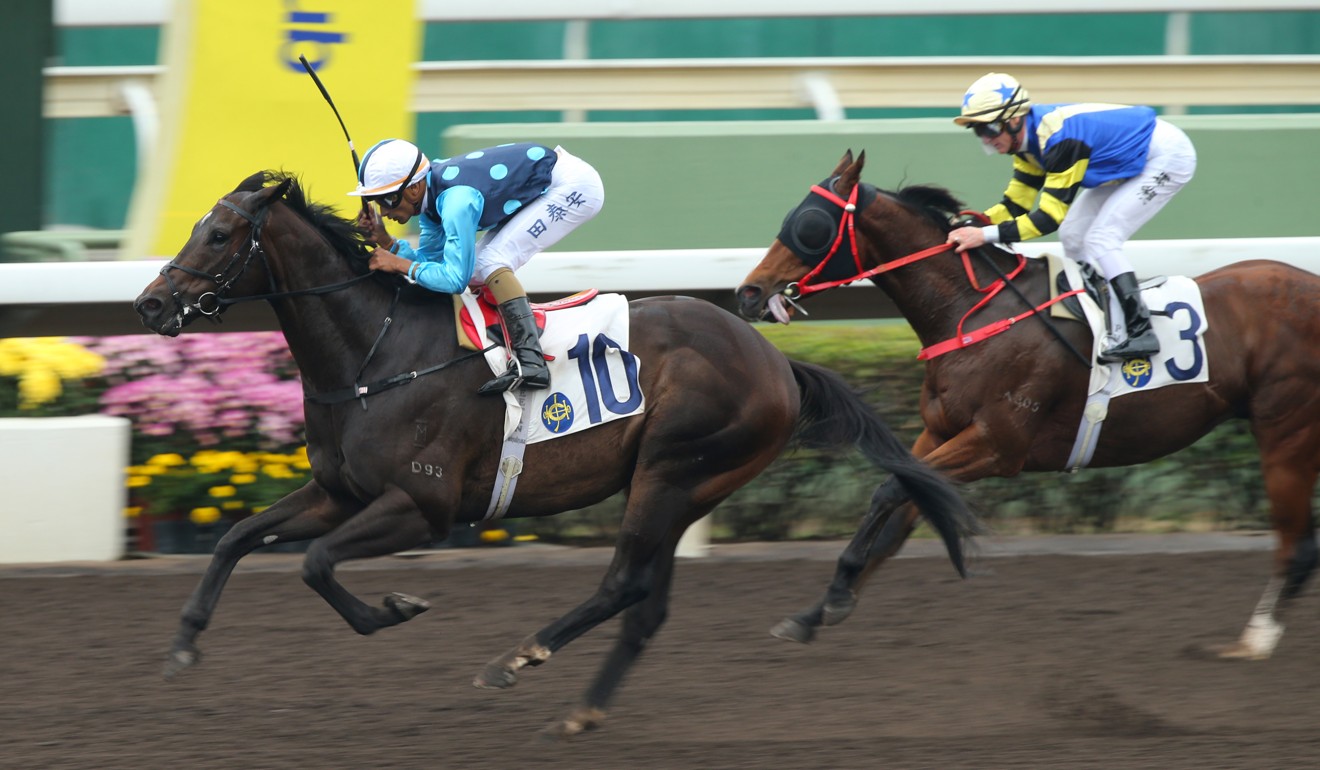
833,415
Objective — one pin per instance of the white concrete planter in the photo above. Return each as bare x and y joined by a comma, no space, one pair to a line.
62,492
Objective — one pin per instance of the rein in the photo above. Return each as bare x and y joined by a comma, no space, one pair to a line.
224,281
847,222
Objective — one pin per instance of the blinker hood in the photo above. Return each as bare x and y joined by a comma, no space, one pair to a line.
811,231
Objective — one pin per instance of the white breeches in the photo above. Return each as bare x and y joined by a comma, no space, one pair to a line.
1102,219
575,195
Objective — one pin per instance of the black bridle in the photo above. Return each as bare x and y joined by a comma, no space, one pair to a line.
225,278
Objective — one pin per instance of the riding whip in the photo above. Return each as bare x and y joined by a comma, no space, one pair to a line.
342,127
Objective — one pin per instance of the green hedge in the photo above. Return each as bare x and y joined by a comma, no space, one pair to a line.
1214,484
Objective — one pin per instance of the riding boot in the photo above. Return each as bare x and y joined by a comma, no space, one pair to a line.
527,364
1141,341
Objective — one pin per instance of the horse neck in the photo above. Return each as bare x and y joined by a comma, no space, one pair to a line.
934,293
331,334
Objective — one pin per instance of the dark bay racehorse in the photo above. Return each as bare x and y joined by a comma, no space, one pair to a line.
1013,402
397,468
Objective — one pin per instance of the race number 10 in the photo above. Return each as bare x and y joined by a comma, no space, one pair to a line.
598,382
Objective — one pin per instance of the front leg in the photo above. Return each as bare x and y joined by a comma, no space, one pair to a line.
306,513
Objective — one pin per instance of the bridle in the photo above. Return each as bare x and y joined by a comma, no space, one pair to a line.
233,270
847,225
210,304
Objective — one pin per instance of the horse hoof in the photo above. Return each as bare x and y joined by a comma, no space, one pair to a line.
793,630
1230,653
834,613
495,677
580,721
406,607
179,660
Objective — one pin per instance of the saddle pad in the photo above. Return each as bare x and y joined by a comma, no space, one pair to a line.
1177,314
473,335
594,379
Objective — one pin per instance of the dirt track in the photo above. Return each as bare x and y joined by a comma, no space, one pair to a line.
1041,662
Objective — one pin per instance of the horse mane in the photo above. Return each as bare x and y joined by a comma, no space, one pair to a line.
343,234
932,202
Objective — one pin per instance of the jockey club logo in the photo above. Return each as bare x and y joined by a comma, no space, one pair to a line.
1137,372
557,413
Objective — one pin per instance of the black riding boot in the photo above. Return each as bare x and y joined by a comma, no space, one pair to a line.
1141,341
527,368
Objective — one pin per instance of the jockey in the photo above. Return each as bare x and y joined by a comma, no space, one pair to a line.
525,197
1107,168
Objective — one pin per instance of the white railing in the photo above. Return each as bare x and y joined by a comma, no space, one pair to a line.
677,271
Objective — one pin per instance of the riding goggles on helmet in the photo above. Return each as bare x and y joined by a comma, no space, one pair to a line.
988,130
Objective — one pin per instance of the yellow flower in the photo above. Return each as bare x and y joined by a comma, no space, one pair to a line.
132,512
167,460
233,505
139,481
277,471
242,478
225,491
203,516
146,470
37,387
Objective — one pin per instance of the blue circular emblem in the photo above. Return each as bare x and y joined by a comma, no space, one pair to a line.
1137,372
557,413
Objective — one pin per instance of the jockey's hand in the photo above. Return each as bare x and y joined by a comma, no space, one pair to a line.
386,262
369,220
966,238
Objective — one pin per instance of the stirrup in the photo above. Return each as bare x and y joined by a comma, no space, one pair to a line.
1130,348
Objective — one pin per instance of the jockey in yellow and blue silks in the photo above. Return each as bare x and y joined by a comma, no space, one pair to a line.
1094,172
483,215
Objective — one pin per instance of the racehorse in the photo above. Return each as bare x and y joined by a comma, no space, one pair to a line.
1013,401
398,461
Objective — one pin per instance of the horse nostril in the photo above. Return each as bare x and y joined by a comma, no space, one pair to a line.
147,306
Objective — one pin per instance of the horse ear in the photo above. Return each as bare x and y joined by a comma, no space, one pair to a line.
850,174
844,162
269,194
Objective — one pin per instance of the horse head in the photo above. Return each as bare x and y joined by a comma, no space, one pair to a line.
845,231
233,253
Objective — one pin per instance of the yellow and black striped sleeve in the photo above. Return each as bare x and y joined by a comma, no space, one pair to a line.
1059,182
1020,196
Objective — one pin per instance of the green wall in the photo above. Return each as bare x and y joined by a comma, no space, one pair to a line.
717,185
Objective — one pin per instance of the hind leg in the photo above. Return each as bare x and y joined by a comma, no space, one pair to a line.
307,513
391,523
879,524
642,550
640,622
1289,484
968,456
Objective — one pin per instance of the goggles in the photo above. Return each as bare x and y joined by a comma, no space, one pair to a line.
989,130
390,201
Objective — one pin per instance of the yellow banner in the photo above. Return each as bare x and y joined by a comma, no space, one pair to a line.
235,100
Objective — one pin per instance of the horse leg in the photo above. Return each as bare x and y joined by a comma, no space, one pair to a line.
1289,483
839,598
640,622
306,513
389,524
966,457
644,545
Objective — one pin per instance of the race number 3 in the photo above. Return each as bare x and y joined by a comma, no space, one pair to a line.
1190,333
597,380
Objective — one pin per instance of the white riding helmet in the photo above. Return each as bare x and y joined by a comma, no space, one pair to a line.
389,166
993,98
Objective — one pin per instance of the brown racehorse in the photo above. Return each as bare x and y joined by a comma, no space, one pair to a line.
1013,402
400,452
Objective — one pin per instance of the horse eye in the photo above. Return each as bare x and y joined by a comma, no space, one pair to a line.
219,236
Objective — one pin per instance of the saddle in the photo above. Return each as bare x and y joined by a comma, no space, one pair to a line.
470,332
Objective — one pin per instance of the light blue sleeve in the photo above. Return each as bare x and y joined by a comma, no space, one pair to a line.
446,253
